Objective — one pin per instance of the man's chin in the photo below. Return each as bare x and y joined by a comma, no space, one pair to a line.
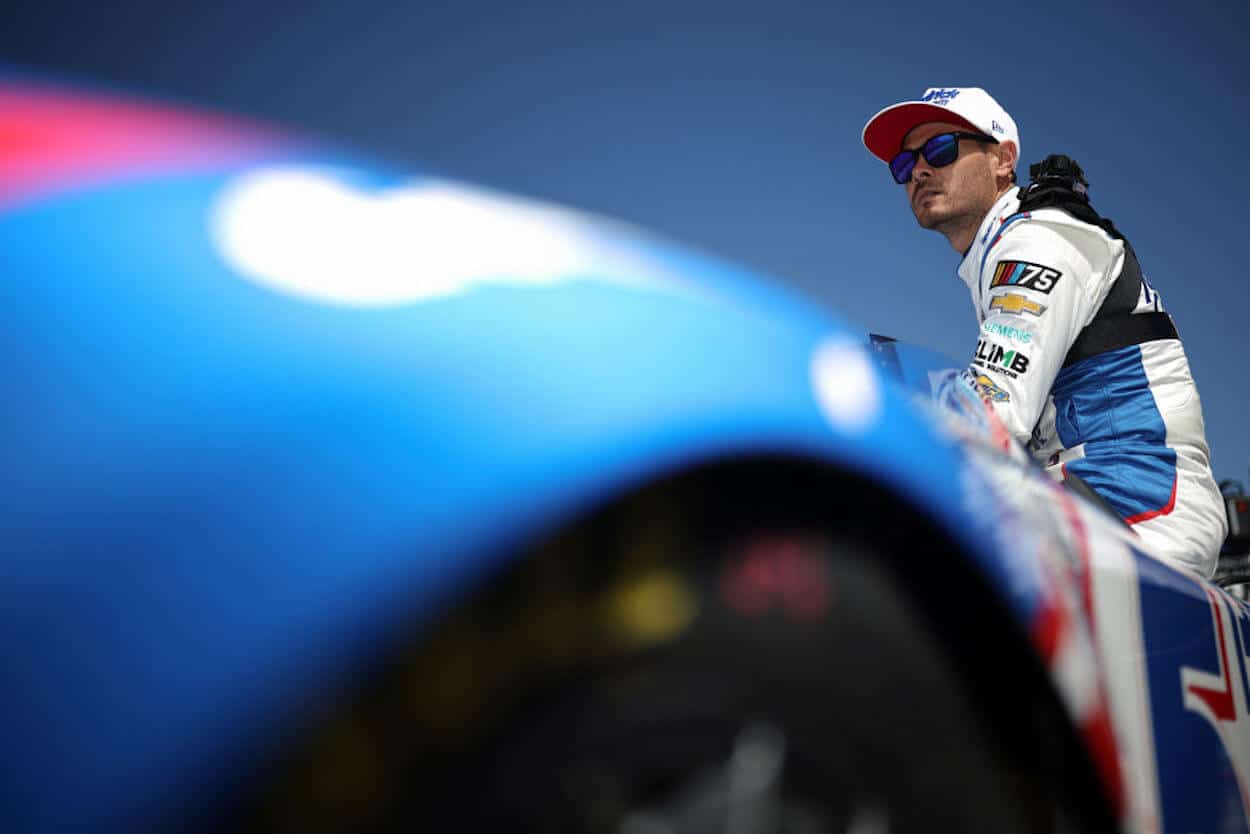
928,218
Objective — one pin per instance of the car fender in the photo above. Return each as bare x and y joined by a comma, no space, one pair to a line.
242,449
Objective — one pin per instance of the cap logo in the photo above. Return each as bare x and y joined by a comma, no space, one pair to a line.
940,96
996,127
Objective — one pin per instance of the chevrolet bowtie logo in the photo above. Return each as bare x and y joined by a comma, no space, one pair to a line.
1012,303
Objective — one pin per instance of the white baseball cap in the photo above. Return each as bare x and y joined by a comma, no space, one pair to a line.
968,106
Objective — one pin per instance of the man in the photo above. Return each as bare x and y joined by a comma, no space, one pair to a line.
1075,352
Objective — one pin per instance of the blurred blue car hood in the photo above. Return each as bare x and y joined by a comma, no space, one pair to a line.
265,399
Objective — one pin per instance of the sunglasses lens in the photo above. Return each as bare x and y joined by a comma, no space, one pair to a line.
941,150
901,166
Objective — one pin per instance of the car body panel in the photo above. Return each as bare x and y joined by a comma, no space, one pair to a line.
270,399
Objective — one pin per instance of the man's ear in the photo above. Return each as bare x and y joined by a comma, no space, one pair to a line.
1008,156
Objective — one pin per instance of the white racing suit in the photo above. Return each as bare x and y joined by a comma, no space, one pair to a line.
1128,421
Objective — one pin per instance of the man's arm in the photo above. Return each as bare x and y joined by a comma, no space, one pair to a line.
1039,286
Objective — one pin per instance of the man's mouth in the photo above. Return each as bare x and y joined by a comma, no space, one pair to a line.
922,194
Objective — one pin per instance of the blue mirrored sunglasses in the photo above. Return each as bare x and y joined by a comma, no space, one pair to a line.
939,151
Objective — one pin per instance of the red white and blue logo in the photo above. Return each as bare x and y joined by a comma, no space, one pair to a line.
1025,276
1221,696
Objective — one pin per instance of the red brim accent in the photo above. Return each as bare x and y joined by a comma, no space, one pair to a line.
883,135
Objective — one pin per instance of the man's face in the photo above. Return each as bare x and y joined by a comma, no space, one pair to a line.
962,191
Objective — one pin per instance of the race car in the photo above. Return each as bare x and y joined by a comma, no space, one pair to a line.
341,497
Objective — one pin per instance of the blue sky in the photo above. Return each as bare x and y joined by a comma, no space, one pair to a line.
735,128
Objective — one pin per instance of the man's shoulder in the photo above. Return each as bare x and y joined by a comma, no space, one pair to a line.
1047,236
1036,249
1055,228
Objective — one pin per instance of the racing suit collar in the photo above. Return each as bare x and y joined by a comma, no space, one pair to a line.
969,267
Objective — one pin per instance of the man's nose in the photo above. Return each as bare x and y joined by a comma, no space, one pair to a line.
922,168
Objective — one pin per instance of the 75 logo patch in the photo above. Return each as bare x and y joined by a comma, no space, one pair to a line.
1025,275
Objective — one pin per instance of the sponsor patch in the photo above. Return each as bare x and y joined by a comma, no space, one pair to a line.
1015,334
940,95
987,389
1014,303
1026,276
995,357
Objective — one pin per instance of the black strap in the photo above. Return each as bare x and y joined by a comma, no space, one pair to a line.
1118,331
